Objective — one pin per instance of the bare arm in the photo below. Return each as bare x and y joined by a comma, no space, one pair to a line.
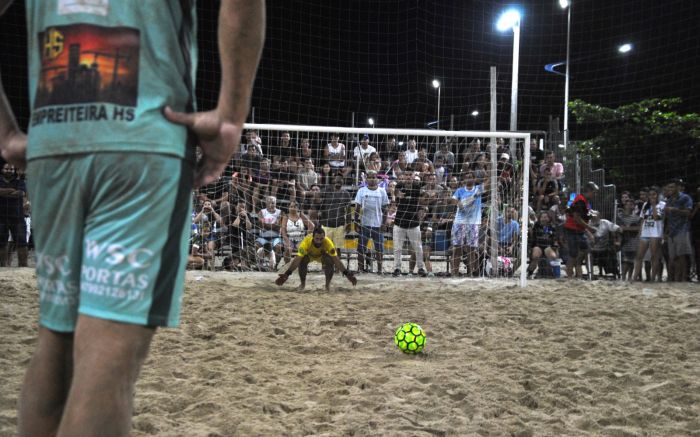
283,230
308,223
293,266
696,209
4,4
580,221
217,217
241,36
13,142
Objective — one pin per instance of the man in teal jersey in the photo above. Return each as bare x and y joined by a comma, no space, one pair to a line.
111,168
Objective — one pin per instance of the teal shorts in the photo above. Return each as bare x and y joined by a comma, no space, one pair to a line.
110,232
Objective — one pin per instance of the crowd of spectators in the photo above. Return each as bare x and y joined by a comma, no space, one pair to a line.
432,195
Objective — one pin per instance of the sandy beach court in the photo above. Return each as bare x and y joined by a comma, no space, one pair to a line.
251,359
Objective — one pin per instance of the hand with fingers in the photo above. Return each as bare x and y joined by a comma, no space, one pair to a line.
218,139
282,278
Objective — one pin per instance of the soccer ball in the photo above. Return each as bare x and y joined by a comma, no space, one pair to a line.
410,338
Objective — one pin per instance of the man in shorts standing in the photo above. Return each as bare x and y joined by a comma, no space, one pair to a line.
111,171
465,229
575,228
371,199
678,208
334,213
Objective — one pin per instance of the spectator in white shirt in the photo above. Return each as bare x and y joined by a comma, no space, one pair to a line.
411,152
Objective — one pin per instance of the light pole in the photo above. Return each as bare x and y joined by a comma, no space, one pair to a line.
436,84
566,4
510,19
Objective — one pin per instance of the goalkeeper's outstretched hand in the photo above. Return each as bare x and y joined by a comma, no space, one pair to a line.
281,279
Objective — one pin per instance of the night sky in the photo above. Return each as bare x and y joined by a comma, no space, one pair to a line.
325,59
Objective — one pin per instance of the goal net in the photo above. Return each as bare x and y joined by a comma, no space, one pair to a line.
394,201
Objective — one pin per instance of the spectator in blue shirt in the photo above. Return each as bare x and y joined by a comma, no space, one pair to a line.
678,208
465,229
508,230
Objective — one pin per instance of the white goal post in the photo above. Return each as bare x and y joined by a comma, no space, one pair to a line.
524,161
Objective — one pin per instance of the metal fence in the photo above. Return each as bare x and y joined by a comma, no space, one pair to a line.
604,200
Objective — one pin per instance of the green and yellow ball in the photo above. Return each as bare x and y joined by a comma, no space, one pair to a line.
410,338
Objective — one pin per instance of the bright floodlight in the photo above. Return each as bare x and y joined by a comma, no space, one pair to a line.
436,83
475,113
564,3
508,20
624,48
371,122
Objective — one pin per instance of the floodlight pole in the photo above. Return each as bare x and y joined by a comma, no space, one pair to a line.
514,86
566,81
438,108
438,85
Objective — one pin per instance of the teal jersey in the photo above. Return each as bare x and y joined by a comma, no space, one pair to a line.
101,71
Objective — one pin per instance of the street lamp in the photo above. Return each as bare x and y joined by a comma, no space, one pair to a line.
510,19
625,48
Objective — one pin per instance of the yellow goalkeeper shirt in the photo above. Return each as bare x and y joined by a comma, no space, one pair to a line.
306,247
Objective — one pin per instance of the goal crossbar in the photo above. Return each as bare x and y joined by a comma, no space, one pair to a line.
387,131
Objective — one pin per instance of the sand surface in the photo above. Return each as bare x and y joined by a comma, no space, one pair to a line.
560,358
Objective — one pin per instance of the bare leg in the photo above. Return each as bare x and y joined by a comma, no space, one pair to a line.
571,267
360,260
303,270
579,264
456,259
473,261
639,260
656,256
107,359
534,259
46,384
426,259
328,270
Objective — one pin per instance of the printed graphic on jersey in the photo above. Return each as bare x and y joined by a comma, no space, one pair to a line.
84,63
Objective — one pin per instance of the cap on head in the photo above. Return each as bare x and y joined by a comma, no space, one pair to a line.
505,156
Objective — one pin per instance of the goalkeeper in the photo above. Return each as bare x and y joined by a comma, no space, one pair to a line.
316,247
